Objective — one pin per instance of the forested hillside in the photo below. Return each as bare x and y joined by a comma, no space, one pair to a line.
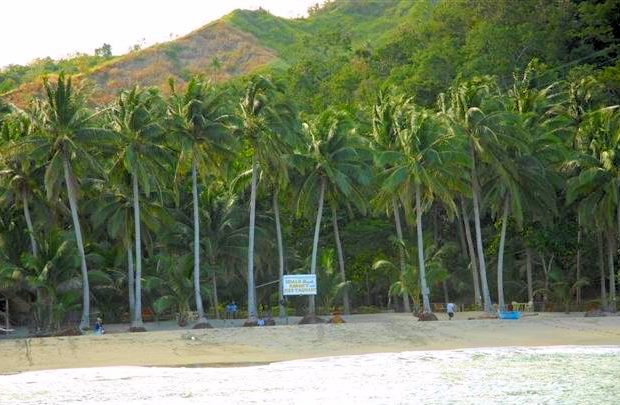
406,152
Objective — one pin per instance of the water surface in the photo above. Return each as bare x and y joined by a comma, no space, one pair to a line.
508,375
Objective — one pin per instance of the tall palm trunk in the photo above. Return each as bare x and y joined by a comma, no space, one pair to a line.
601,264
315,245
444,283
426,303
199,308
500,255
345,292
251,290
131,283
611,250
486,297
216,301
401,251
137,321
71,192
33,242
276,214
33,246
472,256
528,273
578,264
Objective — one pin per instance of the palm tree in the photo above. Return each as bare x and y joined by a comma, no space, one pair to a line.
519,179
198,121
469,112
388,118
263,126
425,165
435,270
226,239
112,212
65,135
18,175
598,182
334,164
134,118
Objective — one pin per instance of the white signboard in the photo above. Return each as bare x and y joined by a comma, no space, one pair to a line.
299,284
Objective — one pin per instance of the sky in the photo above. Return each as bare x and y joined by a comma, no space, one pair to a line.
33,29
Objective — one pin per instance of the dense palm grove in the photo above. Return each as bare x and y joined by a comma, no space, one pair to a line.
181,201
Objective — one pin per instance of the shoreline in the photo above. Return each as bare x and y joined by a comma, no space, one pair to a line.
362,334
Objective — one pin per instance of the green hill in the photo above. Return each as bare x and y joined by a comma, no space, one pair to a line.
348,49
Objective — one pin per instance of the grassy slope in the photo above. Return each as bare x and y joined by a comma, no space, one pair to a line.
364,21
242,42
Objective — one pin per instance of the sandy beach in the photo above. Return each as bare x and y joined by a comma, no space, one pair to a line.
229,346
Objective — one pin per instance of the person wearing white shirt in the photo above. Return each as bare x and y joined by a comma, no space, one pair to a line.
450,310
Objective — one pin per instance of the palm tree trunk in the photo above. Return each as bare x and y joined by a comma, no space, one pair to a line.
612,279
528,273
276,214
601,264
71,192
345,292
401,251
472,256
251,290
500,255
33,242
315,245
426,304
137,321
486,297
578,264
460,229
444,283
199,307
131,280
216,301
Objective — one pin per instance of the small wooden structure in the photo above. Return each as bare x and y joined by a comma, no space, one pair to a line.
4,315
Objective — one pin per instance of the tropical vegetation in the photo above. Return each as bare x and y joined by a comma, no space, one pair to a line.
470,157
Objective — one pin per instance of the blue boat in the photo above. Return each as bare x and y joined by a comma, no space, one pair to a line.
509,314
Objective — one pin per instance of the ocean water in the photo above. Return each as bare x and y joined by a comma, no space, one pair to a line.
509,375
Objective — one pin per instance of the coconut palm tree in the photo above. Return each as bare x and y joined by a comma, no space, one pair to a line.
519,179
263,125
225,239
388,118
426,166
197,118
18,175
112,213
135,119
65,131
333,164
470,109
435,270
596,186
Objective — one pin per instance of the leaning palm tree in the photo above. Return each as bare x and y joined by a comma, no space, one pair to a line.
263,124
426,165
334,164
134,118
65,132
196,118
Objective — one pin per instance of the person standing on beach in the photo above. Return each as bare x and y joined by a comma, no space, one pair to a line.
98,329
450,310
